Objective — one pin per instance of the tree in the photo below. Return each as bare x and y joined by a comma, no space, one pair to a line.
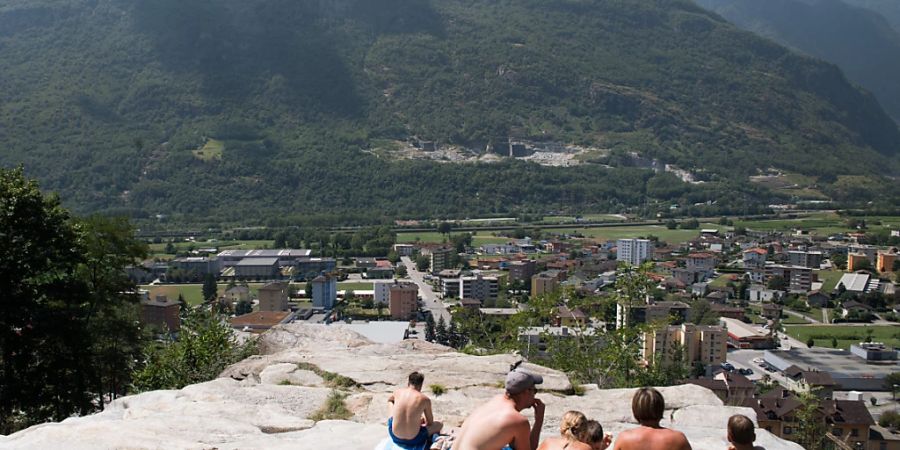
671,224
243,307
444,228
401,271
205,346
834,342
810,424
777,283
68,325
440,333
429,328
210,288
422,263
810,342
691,224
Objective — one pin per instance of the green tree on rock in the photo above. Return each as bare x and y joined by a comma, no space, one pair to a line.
210,288
68,323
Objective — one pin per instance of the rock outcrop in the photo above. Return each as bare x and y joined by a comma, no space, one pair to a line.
270,401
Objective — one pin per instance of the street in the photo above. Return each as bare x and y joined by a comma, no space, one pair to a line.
429,299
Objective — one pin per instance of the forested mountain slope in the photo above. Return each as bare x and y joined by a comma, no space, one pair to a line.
860,41
107,100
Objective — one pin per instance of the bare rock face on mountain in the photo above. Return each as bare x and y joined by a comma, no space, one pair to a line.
271,401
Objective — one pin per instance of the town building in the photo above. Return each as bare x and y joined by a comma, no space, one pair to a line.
633,251
742,335
236,294
161,312
698,343
545,282
845,420
479,287
307,268
382,291
820,383
754,258
403,301
702,263
849,371
285,257
655,312
405,249
274,297
521,270
536,339
260,321
197,264
808,259
324,291
856,261
441,258
731,387
799,279
256,268
858,282
885,261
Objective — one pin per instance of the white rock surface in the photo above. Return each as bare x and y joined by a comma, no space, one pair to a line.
265,402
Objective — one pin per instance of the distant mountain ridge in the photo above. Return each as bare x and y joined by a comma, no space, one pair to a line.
859,39
106,101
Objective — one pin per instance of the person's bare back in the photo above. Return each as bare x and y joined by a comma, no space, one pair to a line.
650,438
494,425
409,407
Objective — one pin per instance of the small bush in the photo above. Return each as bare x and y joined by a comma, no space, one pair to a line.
285,383
437,389
333,409
890,419
332,380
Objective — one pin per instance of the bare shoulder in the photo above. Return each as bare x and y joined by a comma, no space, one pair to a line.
678,439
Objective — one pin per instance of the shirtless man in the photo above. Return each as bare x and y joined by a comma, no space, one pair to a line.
648,407
409,406
499,424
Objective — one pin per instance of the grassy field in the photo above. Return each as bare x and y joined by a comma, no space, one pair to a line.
829,279
845,334
586,217
193,293
597,233
211,151
824,223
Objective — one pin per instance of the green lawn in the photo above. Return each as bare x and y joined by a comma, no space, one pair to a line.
824,223
845,334
790,319
355,286
193,293
829,279
211,151
433,237
723,280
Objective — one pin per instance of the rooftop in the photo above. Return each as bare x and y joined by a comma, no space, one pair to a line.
855,281
260,319
838,363
273,253
247,262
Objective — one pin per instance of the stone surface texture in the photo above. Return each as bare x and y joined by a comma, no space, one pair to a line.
265,402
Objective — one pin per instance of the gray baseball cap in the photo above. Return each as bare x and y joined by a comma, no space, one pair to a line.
519,380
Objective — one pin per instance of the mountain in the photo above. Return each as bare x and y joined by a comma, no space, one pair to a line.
110,101
859,40
889,9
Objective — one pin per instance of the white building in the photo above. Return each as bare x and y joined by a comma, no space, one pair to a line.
382,291
633,251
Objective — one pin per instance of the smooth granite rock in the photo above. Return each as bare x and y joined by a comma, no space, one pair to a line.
265,402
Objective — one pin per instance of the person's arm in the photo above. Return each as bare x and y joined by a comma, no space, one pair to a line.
429,417
522,436
538,422
686,445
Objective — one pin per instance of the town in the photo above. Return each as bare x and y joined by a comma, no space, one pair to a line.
760,317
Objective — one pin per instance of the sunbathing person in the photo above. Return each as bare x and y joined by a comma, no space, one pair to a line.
572,428
499,424
648,406
409,407
741,433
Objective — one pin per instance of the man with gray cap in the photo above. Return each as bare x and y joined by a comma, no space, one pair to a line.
499,424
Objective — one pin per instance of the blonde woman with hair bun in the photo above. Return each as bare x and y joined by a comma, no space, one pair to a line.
571,428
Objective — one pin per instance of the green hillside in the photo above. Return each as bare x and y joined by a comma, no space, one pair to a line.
860,41
112,103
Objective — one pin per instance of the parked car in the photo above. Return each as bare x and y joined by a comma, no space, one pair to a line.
758,361
728,367
743,371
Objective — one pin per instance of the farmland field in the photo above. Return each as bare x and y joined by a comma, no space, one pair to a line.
845,334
